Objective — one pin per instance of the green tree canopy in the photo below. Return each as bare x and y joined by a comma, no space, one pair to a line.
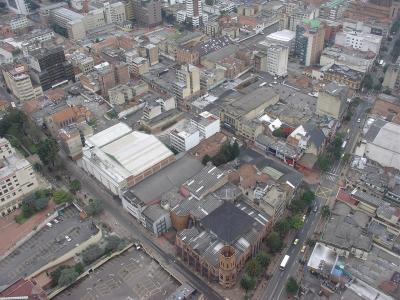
75,186
67,276
282,227
95,207
47,151
247,283
296,222
323,163
291,286
62,196
368,82
253,268
91,253
263,259
274,242
325,211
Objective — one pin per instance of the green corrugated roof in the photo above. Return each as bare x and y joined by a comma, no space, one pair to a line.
312,23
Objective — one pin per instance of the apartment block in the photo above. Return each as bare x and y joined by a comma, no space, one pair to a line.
359,40
139,66
332,100
277,60
184,139
147,12
17,178
206,123
309,42
187,83
20,84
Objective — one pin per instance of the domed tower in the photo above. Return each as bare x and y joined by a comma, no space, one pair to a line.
227,266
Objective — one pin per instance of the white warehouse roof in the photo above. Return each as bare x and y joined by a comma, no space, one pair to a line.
137,151
108,135
283,35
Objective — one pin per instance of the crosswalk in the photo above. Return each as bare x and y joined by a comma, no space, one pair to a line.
331,177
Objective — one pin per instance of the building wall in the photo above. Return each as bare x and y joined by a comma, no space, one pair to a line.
277,59
329,105
358,41
186,143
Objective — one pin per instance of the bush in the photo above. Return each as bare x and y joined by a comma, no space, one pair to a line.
291,286
79,268
67,276
113,243
206,159
227,153
274,242
91,254
55,275
74,186
62,196
94,207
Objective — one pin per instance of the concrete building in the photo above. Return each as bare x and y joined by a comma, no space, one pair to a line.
20,84
342,75
121,158
156,219
68,23
187,83
95,18
19,23
239,115
356,60
283,37
147,12
155,107
120,94
184,139
332,101
114,12
71,142
359,41
206,123
332,10
392,78
152,54
17,178
139,66
309,42
6,56
194,12
22,7
383,142
277,60
50,68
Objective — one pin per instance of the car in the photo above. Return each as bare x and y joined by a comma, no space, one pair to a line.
304,218
49,225
315,208
137,245
56,221
303,248
295,241
68,238
358,120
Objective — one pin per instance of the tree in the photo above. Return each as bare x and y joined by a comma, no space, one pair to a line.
291,286
62,196
206,159
278,132
79,268
311,243
274,242
67,276
253,268
378,86
91,253
296,222
113,242
368,82
263,259
55,275
323,163
308,196
282,227
325,211
40,203
247,283
74,186
47,151
210,2
346,157
235,150
94,207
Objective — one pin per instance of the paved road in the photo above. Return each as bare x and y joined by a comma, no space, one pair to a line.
113,206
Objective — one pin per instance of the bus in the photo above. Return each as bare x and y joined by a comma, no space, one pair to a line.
284,262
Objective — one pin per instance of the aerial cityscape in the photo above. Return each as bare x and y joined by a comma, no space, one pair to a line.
199,149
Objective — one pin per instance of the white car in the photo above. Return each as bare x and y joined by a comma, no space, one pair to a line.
68,238
295,241
358,120
56,221
304,218
303,249
49,225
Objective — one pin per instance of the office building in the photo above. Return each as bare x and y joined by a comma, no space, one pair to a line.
206,123
284,38
19,83
148,12
194,12
152,54
332,101
68,23
277,60
17,178
187,83
359,41
184,139
309,42
22,7
392,76
114,12
50,68
120,158
332,10
139,66
19,23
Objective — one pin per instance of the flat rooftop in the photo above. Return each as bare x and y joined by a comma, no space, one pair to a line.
46,245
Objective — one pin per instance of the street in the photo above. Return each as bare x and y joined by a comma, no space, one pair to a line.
114,207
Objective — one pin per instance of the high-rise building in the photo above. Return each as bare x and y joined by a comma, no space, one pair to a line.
309,42
50,68
194,12
20,84
277,60
22,7
147,12
17,178
68,23
114,12
187,83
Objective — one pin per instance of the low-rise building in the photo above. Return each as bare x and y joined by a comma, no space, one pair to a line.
206,123
139,66
184,139
155,106
332,101
17,178
359,40
121,158
342,75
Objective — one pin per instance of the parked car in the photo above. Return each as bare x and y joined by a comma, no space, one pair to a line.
295,241
68,238
303,248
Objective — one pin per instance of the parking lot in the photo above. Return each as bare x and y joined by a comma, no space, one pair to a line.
132,275
46,245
